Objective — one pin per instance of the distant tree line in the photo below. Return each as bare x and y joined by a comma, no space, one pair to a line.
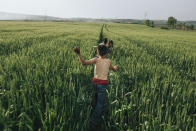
149,23
171,24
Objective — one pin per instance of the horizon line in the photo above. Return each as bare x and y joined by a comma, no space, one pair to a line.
92,17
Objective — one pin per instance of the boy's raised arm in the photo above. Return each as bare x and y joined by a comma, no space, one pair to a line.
84,62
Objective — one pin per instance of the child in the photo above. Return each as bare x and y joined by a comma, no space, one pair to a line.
100,79
104,41
110,46
107,44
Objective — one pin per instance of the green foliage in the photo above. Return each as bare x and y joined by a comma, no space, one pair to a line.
171,22
190,27
184,26
164,27
152,24
149,23
44,87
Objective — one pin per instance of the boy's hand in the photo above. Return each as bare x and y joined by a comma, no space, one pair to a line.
76,50
116,67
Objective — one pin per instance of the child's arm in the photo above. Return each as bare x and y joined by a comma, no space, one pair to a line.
114,68
86,62
82,61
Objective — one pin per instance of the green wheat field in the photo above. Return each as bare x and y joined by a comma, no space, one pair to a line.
44,87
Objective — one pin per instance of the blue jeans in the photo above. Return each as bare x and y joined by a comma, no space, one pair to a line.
100,95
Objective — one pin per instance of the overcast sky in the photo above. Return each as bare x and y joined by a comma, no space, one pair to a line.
131,9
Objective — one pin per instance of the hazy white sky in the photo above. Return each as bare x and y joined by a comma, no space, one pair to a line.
132,9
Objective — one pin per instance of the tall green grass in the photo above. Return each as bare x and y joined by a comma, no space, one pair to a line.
44,87
156,89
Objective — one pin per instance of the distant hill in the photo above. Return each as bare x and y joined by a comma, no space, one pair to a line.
16,16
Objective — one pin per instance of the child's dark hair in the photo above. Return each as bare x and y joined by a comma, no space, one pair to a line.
111,42
105,40
103,50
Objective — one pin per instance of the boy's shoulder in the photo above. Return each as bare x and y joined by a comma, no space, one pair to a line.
109,60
